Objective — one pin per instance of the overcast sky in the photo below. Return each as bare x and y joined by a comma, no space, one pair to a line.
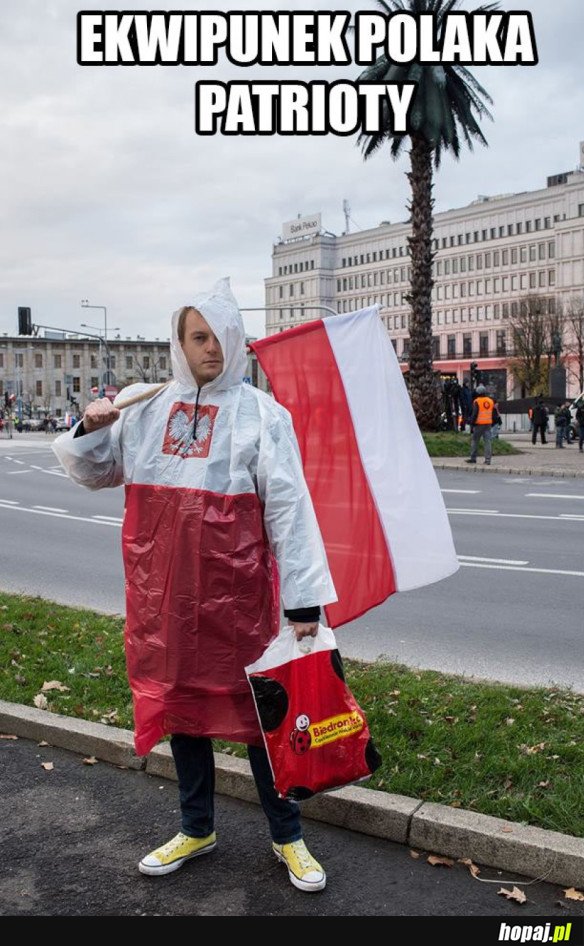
107,194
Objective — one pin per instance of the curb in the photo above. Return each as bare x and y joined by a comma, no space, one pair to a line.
493,842
507,470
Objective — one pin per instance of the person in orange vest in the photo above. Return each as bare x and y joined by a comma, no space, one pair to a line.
484,415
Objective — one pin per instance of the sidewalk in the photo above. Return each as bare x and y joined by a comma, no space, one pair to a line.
538,460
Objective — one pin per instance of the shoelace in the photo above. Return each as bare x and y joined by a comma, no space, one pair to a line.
305,859
172,845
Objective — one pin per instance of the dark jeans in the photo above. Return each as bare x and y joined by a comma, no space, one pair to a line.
539,428
195,767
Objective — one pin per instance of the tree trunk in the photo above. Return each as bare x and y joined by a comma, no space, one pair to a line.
422,384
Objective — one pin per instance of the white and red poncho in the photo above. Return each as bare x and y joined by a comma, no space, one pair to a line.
215,528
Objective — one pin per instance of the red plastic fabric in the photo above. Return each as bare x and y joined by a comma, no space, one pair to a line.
302,371
202,597
316,734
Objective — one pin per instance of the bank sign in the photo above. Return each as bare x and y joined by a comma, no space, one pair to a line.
302,226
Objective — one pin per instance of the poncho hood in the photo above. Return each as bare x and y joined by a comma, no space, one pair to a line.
219,308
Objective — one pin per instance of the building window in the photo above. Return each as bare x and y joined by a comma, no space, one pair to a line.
523,254
76,361
467,345
93,361
505,310
57,389
38,360
76,384
128,362
451,346
538,223
483,344
551,277
406,348
502,342
551,250
291,289
112,361
39,388
162,363
1,359
541,278
146,361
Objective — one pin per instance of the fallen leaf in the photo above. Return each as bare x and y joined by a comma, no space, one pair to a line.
40,701
544,784
507,830
475,871
90,760
509,720
47,766
514,894
43,743
415,854
572,894
54,685
436,861
395,693
7,736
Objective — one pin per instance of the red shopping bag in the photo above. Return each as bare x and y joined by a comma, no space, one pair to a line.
316,734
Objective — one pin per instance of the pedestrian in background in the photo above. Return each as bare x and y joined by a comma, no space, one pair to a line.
540,420
484,415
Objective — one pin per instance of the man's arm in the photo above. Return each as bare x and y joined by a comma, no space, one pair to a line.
291,523
91,451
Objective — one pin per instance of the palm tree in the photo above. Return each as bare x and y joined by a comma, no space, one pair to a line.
446,101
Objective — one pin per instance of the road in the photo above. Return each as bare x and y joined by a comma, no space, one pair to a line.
512,612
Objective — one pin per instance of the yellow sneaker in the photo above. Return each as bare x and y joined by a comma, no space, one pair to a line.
304,872
172,855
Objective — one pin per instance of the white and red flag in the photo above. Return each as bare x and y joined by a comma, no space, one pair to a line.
373,486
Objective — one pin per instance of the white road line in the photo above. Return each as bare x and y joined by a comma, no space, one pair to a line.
555,495
11,502
497,561
43,469
50,508
565,517
571,515
19,461
59,515
112,518
515,568
13,472
468,491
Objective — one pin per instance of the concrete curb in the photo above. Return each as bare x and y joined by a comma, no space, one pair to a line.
507,470
493,842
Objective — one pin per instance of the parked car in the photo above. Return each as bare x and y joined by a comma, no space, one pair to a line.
62,424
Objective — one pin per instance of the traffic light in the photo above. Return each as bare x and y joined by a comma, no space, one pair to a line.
475,375
24,320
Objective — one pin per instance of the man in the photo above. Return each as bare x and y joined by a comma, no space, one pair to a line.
561,422
484,415
580,419
540,420
215,500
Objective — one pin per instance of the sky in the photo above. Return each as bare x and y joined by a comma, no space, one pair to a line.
107,194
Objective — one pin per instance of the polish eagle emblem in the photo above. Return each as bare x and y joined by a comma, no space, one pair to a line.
179,438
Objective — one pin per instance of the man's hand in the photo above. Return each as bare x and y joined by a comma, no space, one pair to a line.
304,630
100,413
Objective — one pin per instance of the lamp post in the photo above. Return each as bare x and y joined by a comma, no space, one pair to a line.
85,304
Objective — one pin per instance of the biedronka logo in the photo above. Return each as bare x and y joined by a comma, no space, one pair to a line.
335,727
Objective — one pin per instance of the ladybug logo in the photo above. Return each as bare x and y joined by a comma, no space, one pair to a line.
300,738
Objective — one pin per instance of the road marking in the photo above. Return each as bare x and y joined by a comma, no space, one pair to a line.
498,561
571,515
11,502
516,568
460,491
565,517
60,515
42,469
18,461
13,472
112,518
50,508
555,495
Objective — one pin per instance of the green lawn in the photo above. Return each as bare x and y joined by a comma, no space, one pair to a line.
449,444
500,750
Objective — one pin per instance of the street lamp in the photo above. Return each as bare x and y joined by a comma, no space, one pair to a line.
85,304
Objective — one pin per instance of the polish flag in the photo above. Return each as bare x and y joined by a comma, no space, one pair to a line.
373,486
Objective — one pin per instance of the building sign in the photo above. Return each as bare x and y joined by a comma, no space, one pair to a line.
302,226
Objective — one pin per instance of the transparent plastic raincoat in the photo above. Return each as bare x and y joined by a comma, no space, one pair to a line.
215,528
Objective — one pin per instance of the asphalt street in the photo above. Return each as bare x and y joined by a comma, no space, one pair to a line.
511,613
71,838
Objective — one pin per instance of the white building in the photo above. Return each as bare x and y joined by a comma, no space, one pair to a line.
489,255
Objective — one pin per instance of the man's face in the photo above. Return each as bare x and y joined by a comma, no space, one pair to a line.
202,349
